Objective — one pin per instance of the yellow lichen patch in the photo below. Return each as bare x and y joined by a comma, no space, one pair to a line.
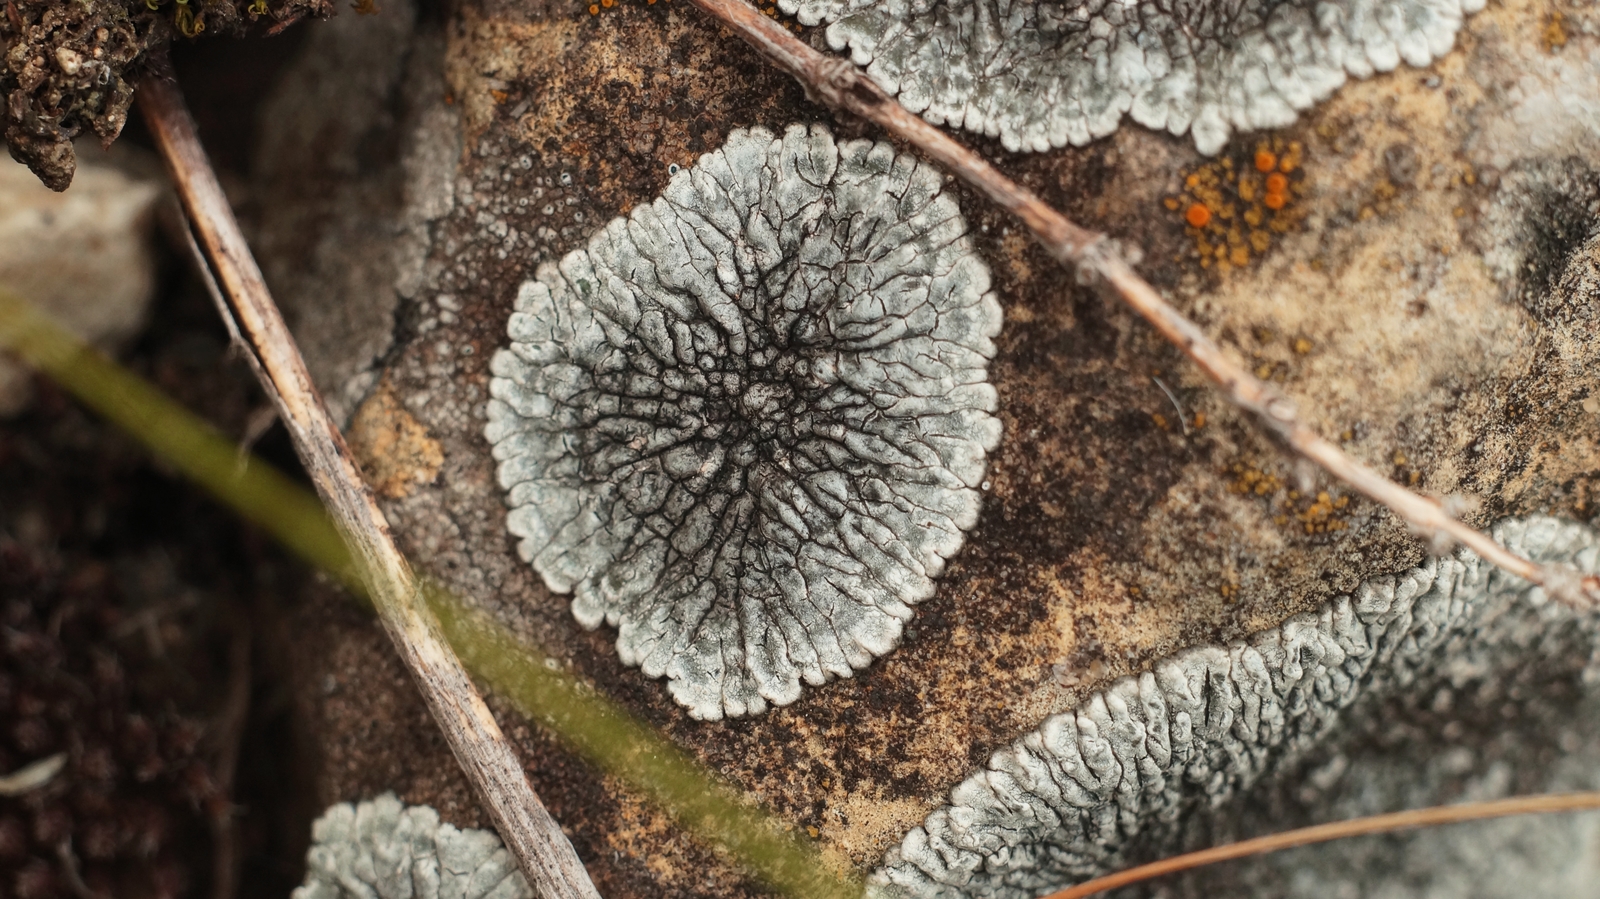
396,453
1324,513
601,5
1250,480
1555,32
1234,206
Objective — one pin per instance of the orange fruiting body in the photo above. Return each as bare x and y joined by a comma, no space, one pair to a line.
1275,201
1277,183
1197,215
1266,161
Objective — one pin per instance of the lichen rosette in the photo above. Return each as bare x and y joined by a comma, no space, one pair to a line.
747,424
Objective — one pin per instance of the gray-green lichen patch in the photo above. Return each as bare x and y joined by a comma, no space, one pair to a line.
1065,802
1045,74
381,849
747,424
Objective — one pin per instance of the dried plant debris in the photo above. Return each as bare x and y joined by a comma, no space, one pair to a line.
1068,800
1044,74
384,850
67,66
748,423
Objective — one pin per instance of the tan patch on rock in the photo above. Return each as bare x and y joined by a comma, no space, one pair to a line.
395,451
648,836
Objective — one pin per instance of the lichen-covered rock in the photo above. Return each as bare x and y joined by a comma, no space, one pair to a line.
381,849
1130,514
1064,802
1041,74
747,424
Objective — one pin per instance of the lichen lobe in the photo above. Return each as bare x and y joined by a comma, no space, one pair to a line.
1043,74
1071,799
383,849
747,424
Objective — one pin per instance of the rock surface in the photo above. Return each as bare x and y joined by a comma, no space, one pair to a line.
84,256
1414,261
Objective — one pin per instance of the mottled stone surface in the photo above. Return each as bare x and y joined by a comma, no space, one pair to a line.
1427,304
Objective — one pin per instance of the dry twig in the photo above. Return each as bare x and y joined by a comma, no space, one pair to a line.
835,82
1322,833
533,837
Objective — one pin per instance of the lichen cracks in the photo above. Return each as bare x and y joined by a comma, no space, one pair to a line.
747,424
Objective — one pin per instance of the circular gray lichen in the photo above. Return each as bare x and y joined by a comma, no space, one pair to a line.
1041,74
747,424
384,850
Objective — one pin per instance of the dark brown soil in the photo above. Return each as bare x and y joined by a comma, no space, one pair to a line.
139,626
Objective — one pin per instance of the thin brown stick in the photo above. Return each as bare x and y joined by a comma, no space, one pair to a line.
837,83
533,837
1322,833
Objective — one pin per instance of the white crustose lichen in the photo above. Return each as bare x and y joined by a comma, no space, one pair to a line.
747,423
384,850
1067,801
1041,74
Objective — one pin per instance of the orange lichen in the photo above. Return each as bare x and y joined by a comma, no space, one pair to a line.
1234,206
1291,157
